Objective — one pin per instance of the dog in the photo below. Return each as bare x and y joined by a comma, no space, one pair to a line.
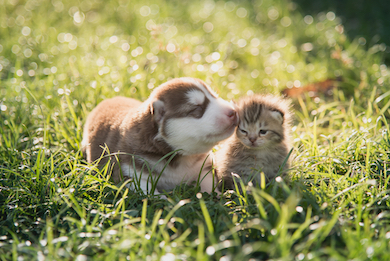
167,139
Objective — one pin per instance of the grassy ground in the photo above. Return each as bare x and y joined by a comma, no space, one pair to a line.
59,59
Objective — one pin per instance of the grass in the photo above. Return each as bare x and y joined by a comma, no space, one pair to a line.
59,59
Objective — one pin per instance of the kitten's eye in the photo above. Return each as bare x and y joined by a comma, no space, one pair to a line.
263,132
242,131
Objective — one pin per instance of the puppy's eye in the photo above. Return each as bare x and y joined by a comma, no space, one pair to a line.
197,112
242,131
263,132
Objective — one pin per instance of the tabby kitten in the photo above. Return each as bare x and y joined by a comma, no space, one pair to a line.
261,142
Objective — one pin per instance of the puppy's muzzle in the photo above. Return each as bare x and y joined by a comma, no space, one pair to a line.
233,116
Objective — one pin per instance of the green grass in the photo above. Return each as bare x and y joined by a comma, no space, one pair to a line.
59,59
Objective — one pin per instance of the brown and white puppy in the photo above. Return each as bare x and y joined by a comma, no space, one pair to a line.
182,115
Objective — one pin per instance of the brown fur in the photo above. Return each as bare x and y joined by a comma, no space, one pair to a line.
120,122
136,132
115,123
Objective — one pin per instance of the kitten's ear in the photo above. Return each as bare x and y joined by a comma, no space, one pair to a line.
277,115
235,107
157,109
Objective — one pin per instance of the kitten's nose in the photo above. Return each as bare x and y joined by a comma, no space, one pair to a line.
252,139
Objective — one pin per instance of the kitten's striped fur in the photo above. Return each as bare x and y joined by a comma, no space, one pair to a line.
261,141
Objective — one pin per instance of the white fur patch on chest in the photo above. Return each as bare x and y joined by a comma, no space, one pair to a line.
189,170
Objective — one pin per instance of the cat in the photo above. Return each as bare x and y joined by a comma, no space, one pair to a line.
260,143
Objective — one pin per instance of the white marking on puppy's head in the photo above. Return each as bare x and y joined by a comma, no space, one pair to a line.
195,119
195,97
200,84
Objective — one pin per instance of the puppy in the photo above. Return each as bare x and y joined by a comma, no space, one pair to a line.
183,119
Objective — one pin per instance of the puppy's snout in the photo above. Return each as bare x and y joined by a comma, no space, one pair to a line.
231,113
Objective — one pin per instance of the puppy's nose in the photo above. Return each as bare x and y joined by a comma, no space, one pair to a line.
233,116
231,113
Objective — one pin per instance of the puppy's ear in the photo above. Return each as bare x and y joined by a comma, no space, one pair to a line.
277,115
158,110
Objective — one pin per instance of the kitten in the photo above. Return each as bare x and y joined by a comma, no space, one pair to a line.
260,143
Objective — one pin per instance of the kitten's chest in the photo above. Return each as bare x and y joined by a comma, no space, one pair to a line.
254,160
258,160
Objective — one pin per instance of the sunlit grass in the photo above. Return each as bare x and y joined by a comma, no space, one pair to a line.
59,59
